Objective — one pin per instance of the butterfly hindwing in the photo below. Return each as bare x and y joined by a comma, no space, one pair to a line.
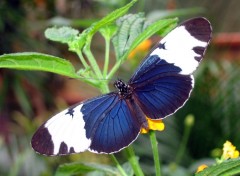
163,82
103,124
116,127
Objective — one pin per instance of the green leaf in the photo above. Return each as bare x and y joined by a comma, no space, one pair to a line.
62,34
86,36
38,61
108,31
161,26
130,27
110,18
80,168
133,30
226,168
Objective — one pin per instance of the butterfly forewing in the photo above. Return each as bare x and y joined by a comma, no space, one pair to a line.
164,81
163,93
63,134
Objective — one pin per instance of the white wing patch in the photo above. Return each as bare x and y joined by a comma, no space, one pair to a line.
178,50
68,128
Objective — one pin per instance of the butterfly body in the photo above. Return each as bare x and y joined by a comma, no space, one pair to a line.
124,90
158,88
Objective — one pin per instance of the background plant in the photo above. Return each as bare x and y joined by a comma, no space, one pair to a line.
132,30
216,85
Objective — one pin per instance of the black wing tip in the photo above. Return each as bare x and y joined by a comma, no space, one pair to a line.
199,27
42,142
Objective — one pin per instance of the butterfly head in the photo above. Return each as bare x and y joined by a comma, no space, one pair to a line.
124,90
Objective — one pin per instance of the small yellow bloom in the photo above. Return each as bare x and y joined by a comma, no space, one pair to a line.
201,168
153,125
142,47
229,151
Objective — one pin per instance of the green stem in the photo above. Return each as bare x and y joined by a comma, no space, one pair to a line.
92,82
92,61
154,144
107,51
104,86
133,161
114,69
85,64
183,144
121,170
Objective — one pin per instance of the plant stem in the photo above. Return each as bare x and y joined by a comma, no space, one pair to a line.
154,144
114,69
107,51
93,62
183,143
104,86
133,161
85,64
121,170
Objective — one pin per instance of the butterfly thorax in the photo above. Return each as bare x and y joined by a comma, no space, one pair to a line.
124,90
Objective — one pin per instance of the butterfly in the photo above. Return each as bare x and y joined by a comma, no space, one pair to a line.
158,88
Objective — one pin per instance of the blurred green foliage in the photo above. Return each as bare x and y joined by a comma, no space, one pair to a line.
214,104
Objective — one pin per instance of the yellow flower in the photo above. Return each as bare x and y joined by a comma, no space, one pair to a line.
229,151
153,125
201,168
142,47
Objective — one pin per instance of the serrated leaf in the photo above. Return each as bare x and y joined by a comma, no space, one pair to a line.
86,36
161,26
80,168
130,27
63,34
110,18
226,168
38,61
108,31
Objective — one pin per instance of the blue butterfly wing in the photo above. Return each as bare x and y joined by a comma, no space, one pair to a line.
161,90
105,124
110,126
163,82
